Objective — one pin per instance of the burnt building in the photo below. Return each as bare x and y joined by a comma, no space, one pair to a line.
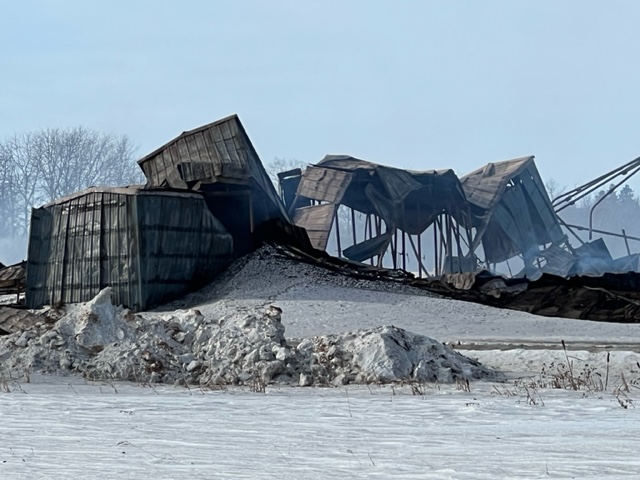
219,161
148,245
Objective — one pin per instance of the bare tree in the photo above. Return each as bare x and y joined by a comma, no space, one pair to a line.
74,159
6,194
554,189
21,156
41,166
281,164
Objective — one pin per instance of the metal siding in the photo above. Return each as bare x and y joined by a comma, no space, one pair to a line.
317,221
220,151
178,237
201,147
210,145
484,187
549,230
146,246
38,255
324,184
55,277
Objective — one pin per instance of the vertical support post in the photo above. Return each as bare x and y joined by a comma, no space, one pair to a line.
457,234
368,232
449,257
420,256
443,243
394,249
404,240
435,247
353,226
626,241
404,251
338,233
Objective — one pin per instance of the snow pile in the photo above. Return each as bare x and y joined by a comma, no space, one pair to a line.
387,354
248,347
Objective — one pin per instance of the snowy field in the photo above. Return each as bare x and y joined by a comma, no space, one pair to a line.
63,428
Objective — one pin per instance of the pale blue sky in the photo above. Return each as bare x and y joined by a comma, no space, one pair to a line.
414,84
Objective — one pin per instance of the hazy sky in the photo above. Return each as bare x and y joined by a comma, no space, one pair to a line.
414,84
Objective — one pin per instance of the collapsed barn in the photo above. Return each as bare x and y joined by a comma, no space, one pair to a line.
206,194
433,223
502,207
512,215
398,205
219,161
209,200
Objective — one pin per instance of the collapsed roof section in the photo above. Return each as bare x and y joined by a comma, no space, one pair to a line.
403,200
12,278
503,206
215,157
511,210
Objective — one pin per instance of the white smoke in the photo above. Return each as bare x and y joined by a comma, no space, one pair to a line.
13,250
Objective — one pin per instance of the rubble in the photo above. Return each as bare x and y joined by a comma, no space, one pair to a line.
249,347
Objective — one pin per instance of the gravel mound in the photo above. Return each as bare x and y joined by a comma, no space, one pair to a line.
266,274
104,342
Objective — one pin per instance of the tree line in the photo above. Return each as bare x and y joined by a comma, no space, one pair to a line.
618,211
38,167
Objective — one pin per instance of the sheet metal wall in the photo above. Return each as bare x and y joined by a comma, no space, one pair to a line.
148,247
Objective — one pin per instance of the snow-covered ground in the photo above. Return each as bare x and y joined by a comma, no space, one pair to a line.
66,429
522,427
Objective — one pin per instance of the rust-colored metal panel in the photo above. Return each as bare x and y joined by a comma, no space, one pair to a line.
12,278
324,184
218,152
317,221
484,187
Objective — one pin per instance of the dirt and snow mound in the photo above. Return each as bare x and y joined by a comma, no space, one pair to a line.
266,274
387,354
101,341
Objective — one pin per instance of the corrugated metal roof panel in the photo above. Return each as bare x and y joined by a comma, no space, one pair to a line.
324,184
12,273
484,187
217,152
405,199
317,221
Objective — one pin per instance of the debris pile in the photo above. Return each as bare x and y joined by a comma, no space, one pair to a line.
248,347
